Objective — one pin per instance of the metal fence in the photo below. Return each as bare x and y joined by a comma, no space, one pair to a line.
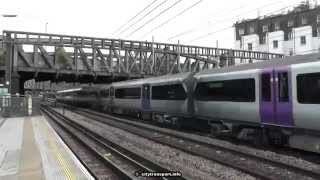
16,106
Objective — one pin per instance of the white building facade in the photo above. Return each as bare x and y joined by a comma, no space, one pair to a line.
297,32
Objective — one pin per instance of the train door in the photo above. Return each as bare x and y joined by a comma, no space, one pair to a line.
267,111
276,97
284,109
111,95
145,96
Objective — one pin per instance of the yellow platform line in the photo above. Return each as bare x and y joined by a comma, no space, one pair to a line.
62,162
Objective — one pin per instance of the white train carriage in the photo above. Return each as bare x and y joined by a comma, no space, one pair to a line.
171,98
67,96
163,98
126,97
279,96
105,97
306,95
87,97
223,98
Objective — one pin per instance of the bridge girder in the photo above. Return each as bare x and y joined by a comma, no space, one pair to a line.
97,56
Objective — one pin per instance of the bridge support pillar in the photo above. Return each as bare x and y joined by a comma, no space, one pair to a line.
15,83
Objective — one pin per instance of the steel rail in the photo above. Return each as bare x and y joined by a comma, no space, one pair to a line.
97,116
142,163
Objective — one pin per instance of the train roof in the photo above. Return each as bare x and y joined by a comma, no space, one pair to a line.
69,90
101,86
170,78
82,89
265,64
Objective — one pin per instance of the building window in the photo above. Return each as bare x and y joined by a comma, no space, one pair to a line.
304,20
318,19
290,23
311,94
289,35
276,26
239,90
250,46
241,31
251,29
263,39
318,31
275,44
265,28
303,40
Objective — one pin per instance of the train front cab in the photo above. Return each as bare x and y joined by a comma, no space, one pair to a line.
168,99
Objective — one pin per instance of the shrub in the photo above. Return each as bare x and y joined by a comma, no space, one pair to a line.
63,59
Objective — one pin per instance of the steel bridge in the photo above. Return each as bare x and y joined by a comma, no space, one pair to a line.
87,59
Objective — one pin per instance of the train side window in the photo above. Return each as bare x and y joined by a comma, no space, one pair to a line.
128,93
265,87
283,87
169,92
93,93
308,88
239,90
105,93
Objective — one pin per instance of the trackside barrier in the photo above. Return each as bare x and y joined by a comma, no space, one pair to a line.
17,106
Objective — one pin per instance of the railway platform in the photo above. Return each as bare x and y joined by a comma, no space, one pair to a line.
31,149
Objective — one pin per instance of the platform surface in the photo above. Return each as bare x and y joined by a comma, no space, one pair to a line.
31,149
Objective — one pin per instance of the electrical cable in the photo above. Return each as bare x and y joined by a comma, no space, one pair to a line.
146,7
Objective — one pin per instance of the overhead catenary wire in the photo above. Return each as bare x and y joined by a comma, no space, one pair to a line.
145,15
223,20
191,30
214,32
194,29
172,18
154,17
210,33
141,11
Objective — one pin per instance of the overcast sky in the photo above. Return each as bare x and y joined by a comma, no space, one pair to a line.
199,22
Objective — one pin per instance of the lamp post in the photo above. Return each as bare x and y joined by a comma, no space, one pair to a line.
46,27
8,61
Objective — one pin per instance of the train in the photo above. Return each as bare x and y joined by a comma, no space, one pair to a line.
275,101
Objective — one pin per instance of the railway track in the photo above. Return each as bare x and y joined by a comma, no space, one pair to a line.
95,164
120,161
254,165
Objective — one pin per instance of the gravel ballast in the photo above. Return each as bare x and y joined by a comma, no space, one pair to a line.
190,166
